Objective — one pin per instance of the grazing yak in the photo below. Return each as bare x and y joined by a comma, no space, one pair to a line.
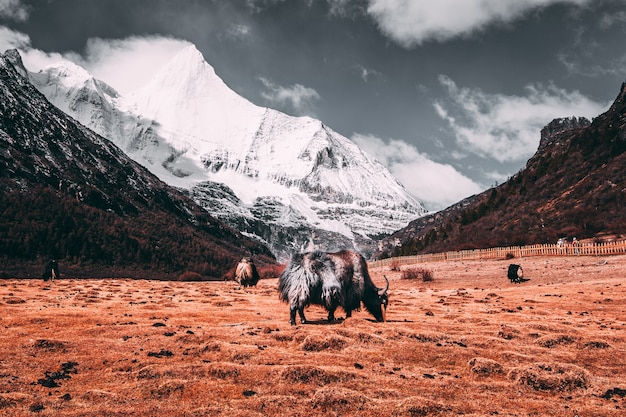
516,274
246,273
331,280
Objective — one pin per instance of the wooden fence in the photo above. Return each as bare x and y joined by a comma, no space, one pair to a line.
589,249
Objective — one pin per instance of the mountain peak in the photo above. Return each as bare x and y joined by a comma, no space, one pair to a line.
188,97
14,57
187,70
68,71
190,55
554,130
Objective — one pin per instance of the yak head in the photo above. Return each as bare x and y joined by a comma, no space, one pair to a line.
377,302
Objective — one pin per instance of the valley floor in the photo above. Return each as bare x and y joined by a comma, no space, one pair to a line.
467,343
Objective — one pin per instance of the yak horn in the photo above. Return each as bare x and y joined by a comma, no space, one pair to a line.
382,291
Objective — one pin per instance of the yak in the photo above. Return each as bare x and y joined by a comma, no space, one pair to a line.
516,274
337,279
246,273
51,270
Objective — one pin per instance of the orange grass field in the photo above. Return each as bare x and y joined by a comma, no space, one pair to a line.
467,343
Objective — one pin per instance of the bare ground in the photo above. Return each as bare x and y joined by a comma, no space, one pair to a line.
467,343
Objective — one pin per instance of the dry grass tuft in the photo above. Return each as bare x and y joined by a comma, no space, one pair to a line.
317,344
485,366
13,300
508,332
11,399
50,345
309,375
424,274
223,370
334,399
283,337
169,388
551,377
596,345
418,407
555,340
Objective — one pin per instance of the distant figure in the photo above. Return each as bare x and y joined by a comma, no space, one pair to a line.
560,243
51,272
516,274
576,244
246,273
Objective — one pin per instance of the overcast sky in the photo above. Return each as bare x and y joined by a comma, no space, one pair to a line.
450,94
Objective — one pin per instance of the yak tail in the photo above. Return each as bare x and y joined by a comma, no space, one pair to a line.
296,283
310,279
331,295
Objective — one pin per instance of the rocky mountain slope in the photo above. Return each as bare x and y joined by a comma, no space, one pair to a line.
288,181
70,194
574,186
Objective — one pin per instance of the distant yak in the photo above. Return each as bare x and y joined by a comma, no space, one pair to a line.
516,274
332,280
246,273
51,270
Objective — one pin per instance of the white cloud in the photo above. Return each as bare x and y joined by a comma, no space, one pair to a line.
10,39
367,73
507,128
236,31
125,64
299,97
13,10
33,59
412,22
346,8
436,185
610,20
257,6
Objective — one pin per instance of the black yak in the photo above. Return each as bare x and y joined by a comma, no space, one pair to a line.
246,273
516,274
51,271
331,280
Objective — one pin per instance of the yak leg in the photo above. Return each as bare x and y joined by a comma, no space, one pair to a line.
331,315
292,316
301,313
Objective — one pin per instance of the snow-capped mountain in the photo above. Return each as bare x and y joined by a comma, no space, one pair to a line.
290,180
70,194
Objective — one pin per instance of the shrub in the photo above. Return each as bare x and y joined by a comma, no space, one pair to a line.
509,255
424,274
270,271
394,265
190,276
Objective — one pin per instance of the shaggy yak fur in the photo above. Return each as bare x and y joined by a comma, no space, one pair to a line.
331,280
246,273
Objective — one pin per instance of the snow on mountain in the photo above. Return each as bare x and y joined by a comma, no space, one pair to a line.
194,132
